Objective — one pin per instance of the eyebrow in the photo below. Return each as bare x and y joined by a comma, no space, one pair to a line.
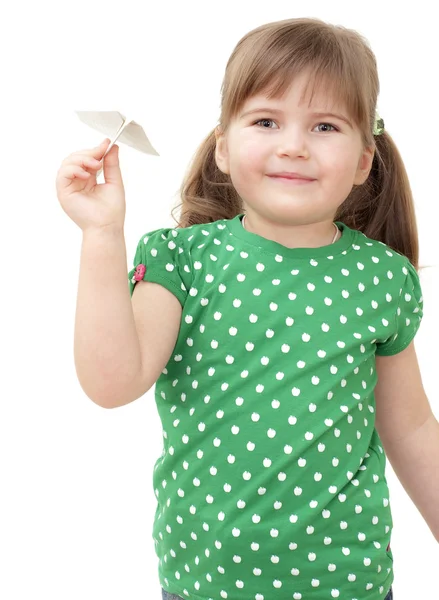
275,111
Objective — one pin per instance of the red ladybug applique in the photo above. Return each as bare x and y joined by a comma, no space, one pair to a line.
140,272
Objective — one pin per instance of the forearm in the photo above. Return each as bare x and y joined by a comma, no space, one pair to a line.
106,347
415,460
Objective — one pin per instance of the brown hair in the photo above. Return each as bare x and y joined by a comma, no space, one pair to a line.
267,58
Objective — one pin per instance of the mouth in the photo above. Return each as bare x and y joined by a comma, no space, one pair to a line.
291,179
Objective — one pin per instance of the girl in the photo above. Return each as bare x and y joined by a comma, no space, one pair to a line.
277,322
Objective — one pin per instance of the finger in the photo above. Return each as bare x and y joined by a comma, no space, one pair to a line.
100,150
91,151
82,160
69,173
111,165
91,163
96,152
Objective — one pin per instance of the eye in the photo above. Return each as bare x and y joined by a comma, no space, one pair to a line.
271,121
330,125
264,121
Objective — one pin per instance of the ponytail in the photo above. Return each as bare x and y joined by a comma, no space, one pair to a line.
383,207
207,193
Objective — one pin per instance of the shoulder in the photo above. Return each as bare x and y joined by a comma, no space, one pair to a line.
200,234
184,245
387,261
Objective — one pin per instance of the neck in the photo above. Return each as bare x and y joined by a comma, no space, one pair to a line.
269,235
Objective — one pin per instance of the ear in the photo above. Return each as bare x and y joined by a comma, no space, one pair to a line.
221,151
364,165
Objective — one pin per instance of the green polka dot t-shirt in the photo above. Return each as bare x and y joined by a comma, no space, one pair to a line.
271,483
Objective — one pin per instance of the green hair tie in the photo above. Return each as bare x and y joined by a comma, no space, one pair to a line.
378,127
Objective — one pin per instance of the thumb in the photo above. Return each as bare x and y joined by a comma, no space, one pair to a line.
111,167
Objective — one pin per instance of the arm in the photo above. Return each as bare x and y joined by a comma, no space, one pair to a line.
121,344
409,431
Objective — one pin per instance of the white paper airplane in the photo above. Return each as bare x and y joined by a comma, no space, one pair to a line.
116,126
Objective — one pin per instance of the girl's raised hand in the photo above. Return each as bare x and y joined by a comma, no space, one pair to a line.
89,204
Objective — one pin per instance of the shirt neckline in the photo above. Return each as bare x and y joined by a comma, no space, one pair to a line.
344,242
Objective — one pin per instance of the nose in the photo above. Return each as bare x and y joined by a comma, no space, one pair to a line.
292,142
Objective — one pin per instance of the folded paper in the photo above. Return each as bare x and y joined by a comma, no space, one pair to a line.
117,126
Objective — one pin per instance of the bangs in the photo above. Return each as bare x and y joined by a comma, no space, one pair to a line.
331,88
268,60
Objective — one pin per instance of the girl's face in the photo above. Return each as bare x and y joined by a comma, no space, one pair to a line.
284,135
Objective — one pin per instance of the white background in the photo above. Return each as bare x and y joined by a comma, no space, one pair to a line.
76,497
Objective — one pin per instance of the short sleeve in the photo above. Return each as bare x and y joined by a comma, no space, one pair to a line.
408,314
161,258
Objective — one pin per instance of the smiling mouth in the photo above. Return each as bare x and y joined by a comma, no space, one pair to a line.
291,180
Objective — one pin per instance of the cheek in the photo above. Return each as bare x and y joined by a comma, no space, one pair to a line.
247,167
340,162
249,154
